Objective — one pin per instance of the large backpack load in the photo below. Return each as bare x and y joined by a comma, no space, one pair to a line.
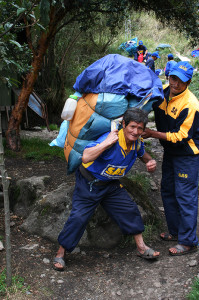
129,46
104,91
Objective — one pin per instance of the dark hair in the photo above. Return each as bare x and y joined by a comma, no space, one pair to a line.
135,114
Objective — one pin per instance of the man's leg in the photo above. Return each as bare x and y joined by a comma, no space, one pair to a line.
171,208
124,211
136,56
186,189
83,206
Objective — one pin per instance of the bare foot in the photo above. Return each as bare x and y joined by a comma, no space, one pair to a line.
168,237
142,250
60,254
175,250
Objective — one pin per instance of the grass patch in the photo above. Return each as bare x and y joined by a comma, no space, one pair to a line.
54,127
147,146
36,149
149,234
194,293
194,85
17,285
142,181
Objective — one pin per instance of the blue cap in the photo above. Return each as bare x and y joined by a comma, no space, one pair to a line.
183,70
140,42
155,54
170,55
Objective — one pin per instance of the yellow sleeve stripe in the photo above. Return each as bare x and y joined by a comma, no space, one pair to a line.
193,146
88,164
174,137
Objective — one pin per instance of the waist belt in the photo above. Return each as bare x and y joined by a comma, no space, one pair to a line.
92,179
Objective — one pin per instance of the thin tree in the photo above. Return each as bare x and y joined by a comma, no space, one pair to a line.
5,183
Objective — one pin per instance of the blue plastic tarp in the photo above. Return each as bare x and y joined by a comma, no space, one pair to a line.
130,46
162,46
195,53
119,75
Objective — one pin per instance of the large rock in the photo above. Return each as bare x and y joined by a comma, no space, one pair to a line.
25,192
46,214
52,210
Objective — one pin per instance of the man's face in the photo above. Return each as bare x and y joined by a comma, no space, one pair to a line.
132,131
177,86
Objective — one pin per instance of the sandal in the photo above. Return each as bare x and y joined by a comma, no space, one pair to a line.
169,237
61,261
148,254
182,250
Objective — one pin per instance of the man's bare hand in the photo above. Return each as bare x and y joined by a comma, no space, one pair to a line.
147,133
112,138
151,165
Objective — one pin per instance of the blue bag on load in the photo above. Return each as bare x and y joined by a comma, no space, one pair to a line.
130,46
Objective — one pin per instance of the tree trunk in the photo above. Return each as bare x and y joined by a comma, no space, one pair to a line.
12,134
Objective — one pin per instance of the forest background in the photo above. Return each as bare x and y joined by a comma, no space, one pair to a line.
45,44
72,51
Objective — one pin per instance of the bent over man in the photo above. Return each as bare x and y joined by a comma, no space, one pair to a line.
97,182
177,122
141,49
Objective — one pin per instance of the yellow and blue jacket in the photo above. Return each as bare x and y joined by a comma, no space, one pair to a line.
114,162
179,118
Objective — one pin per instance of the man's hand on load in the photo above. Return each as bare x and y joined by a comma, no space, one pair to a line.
151,165
112,138
147,133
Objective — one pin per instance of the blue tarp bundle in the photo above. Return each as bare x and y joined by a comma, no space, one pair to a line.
130,46
119,83
119,75
195,53
162,46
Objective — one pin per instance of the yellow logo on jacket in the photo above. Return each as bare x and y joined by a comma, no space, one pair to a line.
182,175
174,110
114,171
183,67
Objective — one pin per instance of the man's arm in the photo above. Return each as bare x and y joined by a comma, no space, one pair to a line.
90,154
146,51
154,134
149,162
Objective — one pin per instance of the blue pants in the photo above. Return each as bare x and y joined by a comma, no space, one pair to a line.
179,190
113,198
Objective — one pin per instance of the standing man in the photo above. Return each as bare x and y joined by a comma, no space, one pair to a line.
150,63
141,49
170,64
177,122
97,182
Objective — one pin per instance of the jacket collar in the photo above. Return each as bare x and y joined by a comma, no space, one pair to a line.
167,92
122,141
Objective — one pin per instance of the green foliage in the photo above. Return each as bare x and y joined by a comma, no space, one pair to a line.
194,293
17,284
37,149
150,233
142,181
194,85
53,127
14,56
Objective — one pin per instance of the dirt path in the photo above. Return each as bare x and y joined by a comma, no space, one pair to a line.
93,274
